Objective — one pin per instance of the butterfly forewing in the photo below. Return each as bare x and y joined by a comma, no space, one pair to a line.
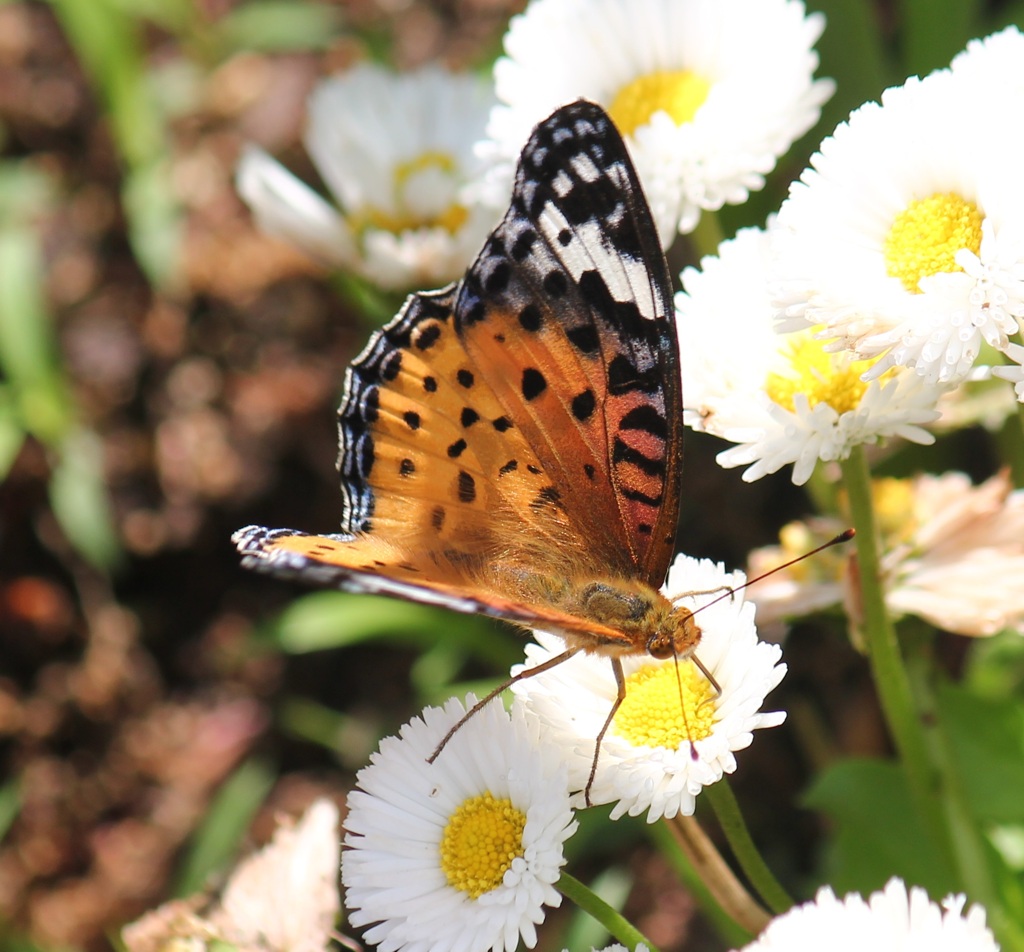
526,418
567,312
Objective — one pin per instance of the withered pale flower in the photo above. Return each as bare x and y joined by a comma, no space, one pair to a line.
952,554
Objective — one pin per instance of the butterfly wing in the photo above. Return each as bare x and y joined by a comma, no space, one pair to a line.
437,482
529,413
568,313
372,566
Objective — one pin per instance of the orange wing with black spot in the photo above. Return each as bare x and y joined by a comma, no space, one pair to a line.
568,315
528,416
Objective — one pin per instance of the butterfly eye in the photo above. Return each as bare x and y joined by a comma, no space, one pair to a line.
660,645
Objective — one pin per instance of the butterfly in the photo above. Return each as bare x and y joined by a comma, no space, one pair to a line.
511,444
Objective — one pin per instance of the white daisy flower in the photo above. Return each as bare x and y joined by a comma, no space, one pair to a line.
952,554
1013,372
906,236
656,757
996,58
708,93
893,919
782,397
462,853
396,152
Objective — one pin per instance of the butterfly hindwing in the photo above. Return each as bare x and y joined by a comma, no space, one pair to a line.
425,443
372,566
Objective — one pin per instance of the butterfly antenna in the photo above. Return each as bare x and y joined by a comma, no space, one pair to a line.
729,593
844,536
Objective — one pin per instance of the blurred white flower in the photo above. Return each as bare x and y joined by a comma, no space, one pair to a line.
396,152
661,749
462,853
282,899
707,93
893,920
782,397
952,554
905,238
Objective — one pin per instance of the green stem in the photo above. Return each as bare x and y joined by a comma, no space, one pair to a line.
727,810
968,844
890,677
616,924
733,935
707,236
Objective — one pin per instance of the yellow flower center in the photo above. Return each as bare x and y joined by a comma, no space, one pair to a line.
482,838
795,538
442,161
651,714
893,501
832,378
679,92
423,173
927,234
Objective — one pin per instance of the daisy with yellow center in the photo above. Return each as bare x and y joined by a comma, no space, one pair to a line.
397,153
464,852
674,733
782,398
904,237
707,95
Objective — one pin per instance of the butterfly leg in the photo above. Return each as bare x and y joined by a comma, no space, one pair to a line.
707,591
620,696
481,704
707,674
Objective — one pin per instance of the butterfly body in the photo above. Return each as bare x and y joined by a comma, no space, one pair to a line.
510,444
615,617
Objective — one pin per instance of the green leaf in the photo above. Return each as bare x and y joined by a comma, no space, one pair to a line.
10,805
176,16
25,193
215,844
877,830
852,53
995,665
27,347
1010,14
583,932
934,31
12,433
155,222
987,736
350,739
277,26
324,620
78,495
108,42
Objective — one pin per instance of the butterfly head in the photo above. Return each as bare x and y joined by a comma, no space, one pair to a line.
675,637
